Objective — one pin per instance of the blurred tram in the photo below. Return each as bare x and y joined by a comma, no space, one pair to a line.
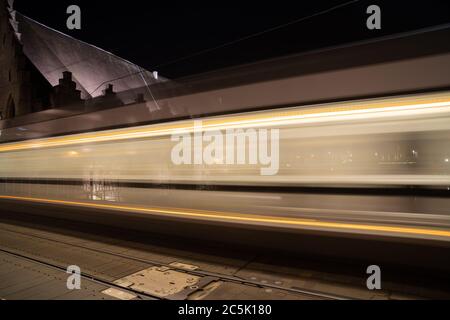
401,141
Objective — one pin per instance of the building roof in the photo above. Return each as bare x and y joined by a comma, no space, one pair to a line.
92,68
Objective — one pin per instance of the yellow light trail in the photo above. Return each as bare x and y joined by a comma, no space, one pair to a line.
243,217
266,118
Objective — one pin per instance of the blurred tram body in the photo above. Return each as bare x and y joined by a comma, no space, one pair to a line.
403,141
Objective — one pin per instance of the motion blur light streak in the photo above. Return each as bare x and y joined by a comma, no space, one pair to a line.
247,218
433,103
391,141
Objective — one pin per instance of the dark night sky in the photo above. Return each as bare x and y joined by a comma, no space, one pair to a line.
154,33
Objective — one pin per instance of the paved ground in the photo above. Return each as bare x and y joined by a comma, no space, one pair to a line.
22,279
35,253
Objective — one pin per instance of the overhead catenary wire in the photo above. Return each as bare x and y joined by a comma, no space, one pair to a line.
226,44
236,41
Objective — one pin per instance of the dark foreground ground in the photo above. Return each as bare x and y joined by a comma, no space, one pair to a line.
193,260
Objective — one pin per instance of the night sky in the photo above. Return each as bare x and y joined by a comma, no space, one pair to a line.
157,34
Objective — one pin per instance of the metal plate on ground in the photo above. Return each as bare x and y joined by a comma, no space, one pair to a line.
183,266
119,294
158,281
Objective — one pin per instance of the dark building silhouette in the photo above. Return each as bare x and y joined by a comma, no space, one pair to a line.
66,93
41,68
109,98
23,89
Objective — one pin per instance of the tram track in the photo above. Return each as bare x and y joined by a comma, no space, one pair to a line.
199,273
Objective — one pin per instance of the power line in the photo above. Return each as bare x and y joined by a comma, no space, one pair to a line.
257,34
115,79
